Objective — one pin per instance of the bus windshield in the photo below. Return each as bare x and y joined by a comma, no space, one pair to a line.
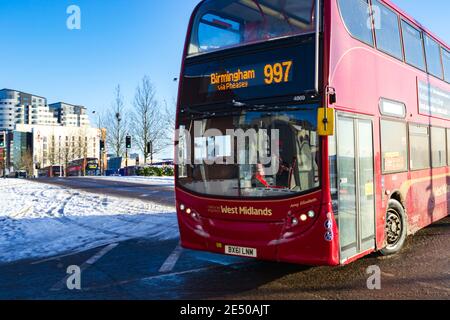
221,156
221,24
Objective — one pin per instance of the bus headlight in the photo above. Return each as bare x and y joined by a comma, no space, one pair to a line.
311,214
303,217
188,211
182,207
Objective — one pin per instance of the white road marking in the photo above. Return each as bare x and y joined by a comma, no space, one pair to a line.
124,282
62,283
101,253
389,275
59,257
150,193
171,261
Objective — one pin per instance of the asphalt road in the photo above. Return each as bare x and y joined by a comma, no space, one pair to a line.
160,193
153,269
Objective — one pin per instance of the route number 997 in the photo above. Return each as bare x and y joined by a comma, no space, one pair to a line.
277,73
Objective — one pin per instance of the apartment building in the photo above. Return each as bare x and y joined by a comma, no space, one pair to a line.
44,146
18,107
70,115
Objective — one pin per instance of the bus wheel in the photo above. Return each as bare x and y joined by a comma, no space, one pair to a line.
396,228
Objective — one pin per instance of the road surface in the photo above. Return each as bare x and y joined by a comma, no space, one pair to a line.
159,193
154,269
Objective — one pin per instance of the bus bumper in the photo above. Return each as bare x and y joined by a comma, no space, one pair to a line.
273,241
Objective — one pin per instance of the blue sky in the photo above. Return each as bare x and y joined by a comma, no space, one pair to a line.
120,41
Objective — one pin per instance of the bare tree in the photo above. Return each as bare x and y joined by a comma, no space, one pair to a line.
2,166
66,151
100,119
169,119
117,124
81,148
148,123
25,162
51,154
170,115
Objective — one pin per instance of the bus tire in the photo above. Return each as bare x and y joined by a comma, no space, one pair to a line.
396,228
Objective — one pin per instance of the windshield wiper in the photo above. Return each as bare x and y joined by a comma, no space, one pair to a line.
237,107
268,108
195,114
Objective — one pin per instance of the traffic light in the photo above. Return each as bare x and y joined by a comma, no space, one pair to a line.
150,147
102,145
128,142
2,140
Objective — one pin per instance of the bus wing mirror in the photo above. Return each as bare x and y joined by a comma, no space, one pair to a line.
325,122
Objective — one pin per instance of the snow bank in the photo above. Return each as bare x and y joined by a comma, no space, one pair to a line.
40,221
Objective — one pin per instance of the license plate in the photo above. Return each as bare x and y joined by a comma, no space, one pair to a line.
241,251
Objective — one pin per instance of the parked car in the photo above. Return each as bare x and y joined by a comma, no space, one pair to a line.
18,175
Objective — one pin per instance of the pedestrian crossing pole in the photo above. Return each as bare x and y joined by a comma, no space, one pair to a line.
3,151
127,147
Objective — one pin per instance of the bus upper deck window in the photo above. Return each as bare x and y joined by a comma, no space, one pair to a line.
433,54
221,24
446,63
412,40
355,14
215,32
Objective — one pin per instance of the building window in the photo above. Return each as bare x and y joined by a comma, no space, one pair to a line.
433,53
412,40
394,146
438,147
356,16
388,31
419,141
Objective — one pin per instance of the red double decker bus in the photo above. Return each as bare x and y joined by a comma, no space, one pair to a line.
85,166
356,95
52,171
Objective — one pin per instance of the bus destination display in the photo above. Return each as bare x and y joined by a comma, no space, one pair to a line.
243,76
254,75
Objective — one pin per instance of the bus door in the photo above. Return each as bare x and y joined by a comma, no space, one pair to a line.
355,182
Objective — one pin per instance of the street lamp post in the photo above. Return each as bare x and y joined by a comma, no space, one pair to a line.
102,144
119,119
3,146
61,168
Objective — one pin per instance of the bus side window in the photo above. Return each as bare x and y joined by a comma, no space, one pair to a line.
356,16
448,147
388,32
446,63
394,146
419,140
433,52
438,147
412,39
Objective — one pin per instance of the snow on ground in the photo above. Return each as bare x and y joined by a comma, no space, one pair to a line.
164,181
40,221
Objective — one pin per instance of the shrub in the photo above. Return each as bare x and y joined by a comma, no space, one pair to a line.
168,171
147,171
